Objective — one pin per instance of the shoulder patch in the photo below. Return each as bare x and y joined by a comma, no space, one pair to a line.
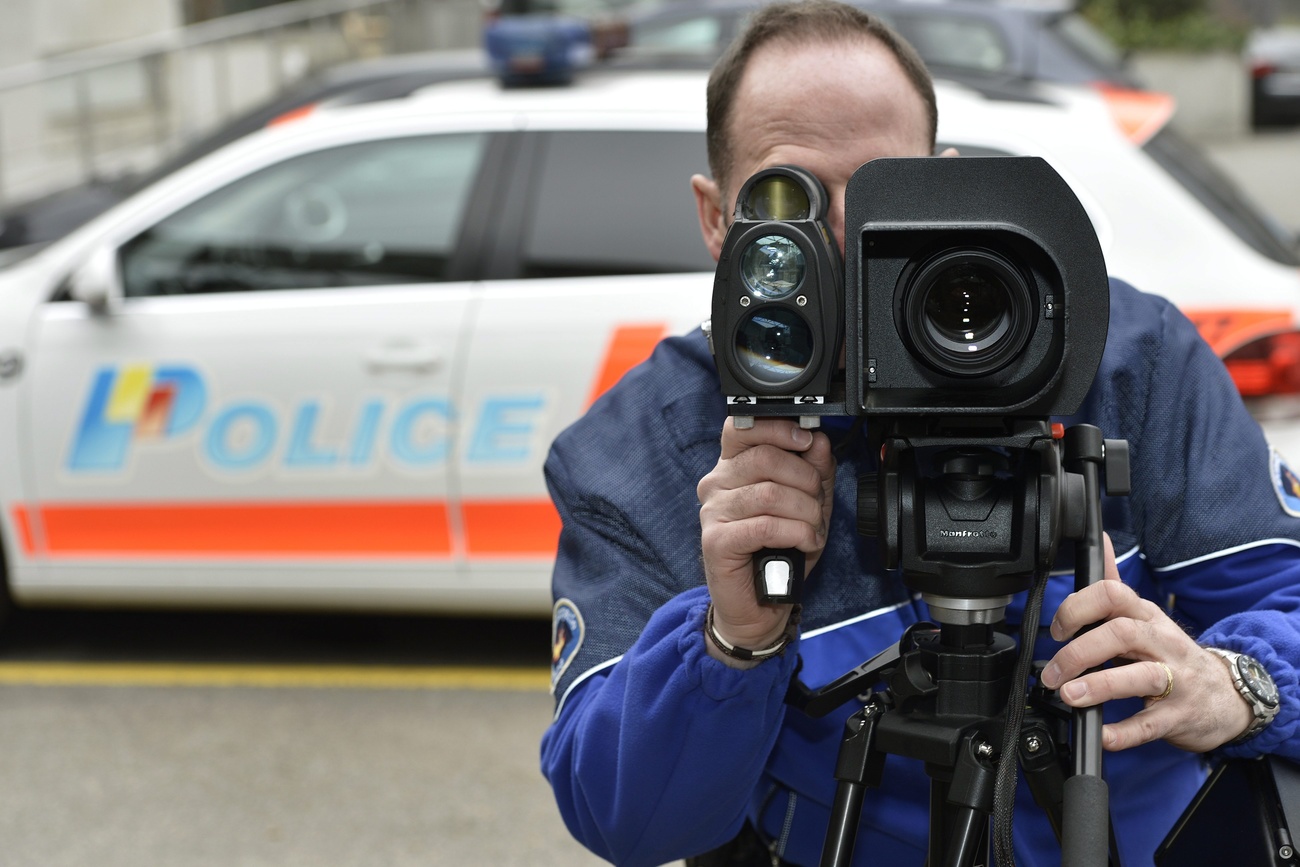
1286,484
566,637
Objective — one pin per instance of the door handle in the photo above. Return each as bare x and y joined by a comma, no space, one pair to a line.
400,355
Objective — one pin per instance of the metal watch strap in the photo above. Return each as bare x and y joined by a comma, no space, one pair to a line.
1263,713
774,649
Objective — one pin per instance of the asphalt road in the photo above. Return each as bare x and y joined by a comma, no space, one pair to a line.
187,740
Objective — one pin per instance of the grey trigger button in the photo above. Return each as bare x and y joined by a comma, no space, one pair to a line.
778,575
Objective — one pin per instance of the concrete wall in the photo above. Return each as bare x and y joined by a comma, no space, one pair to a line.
126,118
69,25
1212,90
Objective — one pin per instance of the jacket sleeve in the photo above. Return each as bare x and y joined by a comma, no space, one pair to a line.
656,747
655,758
1220,541
1266,578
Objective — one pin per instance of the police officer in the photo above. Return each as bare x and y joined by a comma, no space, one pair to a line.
671,736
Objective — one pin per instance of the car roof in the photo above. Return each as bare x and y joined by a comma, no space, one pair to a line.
658,90
601,92
672,93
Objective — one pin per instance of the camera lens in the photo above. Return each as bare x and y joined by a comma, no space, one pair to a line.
965,309
776,198
772,267
968,312
774,346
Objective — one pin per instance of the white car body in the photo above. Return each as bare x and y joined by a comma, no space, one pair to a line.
382,446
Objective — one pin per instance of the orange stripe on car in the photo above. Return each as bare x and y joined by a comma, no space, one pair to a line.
24,527
416,528
492,528
1226,329
629,346
507,528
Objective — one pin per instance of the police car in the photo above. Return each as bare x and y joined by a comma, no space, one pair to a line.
322,366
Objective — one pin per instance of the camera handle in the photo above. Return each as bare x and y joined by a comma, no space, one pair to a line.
778,572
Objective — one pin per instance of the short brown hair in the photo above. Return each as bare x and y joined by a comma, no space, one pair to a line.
802,22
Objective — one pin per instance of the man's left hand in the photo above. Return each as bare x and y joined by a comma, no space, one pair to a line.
1202,709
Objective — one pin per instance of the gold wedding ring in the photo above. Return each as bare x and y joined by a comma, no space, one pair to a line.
1169,684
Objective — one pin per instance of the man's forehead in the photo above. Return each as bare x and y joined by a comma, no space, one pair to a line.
827,108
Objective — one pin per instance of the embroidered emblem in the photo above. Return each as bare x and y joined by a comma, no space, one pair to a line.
566,638
1286,483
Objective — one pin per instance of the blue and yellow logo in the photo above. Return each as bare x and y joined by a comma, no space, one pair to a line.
138,402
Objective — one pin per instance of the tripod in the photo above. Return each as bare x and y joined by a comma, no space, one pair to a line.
954,694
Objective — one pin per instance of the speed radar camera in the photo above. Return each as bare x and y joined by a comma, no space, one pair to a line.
972,306
972,287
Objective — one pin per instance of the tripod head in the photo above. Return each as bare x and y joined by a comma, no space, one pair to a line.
970,509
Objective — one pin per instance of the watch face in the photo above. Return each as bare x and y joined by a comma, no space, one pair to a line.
1257,680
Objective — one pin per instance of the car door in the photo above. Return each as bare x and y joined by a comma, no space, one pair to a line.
268,412
600,257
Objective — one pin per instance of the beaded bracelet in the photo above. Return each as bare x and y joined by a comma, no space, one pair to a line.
774,649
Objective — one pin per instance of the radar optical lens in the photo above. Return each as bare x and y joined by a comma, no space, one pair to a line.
967,308
772,267
774,346
968,312
776,198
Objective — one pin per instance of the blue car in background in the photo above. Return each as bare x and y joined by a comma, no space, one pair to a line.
538,49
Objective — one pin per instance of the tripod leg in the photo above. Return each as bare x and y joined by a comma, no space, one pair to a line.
960,811
1041,762
858,766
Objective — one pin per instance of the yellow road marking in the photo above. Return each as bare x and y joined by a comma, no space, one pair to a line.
517,679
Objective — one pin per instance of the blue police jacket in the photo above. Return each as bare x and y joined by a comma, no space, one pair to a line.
658,751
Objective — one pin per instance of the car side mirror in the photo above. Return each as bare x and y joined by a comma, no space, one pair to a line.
97,282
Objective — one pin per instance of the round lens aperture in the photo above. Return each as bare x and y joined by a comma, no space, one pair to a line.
776,197
774,346
967,308
772,267
968,312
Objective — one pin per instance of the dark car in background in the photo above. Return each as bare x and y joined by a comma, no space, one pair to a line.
1040,42
1273,59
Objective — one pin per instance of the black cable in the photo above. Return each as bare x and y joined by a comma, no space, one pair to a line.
1004,787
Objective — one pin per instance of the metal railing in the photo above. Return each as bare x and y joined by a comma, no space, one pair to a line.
101,113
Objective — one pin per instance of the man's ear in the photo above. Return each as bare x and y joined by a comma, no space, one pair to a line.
713,219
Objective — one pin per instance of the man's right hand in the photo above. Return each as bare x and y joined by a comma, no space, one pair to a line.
773,487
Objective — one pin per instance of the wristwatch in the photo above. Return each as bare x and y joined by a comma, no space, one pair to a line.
1255,685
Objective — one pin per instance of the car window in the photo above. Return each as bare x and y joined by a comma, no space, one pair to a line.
956,42
1097,48
374,213
703,33
611,202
